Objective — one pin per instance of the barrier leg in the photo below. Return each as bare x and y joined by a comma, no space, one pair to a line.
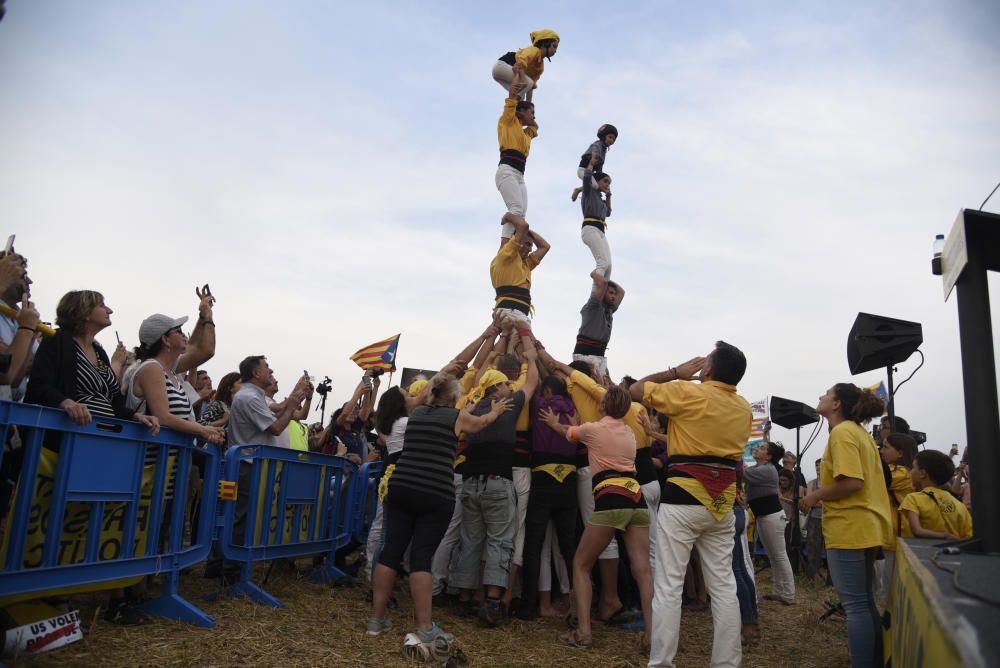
328,572
172,606
246,588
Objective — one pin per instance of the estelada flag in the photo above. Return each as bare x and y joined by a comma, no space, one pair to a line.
882,393
379,355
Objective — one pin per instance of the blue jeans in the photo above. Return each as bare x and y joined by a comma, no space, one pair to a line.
488,527
746,590
853,573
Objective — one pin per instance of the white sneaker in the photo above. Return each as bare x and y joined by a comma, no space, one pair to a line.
437,647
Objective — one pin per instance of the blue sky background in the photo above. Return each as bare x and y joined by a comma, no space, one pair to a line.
328,168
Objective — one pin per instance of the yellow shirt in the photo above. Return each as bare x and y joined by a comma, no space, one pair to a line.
509,268
901,487
588,393
531,58
939,511
706,419
862,519
510,133
580,387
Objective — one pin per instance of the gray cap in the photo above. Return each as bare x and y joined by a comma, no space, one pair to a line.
156,325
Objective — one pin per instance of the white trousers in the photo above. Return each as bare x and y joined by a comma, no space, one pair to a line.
503,74
551,551
580,171
585,497
598,362
771,529
678,529
522,488
510,183
514,314
597,241
651,494
441,564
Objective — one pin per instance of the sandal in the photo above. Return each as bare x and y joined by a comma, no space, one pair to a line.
621,616
574,639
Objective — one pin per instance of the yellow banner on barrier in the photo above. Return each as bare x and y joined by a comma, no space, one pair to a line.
75,524
272,524
918,634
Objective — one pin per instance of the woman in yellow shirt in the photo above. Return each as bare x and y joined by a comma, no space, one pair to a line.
544,44
856,515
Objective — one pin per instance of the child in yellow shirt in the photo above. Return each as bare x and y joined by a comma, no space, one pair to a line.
933,512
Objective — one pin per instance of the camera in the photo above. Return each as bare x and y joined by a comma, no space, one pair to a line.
324,387
375,373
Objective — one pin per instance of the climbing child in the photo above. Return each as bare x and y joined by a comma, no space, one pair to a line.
544,44
596,205
607,135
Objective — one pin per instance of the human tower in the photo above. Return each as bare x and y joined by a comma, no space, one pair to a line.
482,446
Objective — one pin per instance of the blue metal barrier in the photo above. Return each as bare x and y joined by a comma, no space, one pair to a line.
366,499
118,517
291,504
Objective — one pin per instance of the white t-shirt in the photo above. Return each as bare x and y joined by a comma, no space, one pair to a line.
394,440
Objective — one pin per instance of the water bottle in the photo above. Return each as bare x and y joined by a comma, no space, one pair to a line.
936,268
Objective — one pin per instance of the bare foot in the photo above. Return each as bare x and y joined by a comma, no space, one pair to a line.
552,611
576,193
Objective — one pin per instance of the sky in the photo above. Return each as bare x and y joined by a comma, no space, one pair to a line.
328,169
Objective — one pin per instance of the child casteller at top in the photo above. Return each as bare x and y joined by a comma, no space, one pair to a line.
544,44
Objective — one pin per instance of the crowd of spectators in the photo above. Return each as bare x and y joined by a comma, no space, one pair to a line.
509,467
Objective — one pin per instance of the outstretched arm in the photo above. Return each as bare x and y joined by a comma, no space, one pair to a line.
543,246
600,287
684,371
201,343
530,355
553,365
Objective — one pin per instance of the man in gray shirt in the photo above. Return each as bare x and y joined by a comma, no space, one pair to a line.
251,421
595,323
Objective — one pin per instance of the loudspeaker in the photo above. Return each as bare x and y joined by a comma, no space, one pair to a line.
791,414
876,342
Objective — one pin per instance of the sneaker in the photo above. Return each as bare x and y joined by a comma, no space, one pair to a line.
434,645
377,627
491,614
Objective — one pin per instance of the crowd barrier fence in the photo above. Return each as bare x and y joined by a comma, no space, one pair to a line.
303,506
97,484
366,499
258,502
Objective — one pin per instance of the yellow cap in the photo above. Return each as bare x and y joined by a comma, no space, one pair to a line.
545,33
487,380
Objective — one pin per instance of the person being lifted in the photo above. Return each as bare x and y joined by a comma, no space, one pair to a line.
520,71
595,323
515,130
510,270
596,205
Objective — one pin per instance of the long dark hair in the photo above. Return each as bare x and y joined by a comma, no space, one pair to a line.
391,407
224,392
857,404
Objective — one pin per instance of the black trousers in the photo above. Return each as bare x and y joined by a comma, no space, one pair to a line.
547,502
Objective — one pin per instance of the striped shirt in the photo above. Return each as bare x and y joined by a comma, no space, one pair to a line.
96,386
428,452
177,404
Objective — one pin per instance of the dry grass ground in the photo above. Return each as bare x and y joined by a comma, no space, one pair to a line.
323,626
